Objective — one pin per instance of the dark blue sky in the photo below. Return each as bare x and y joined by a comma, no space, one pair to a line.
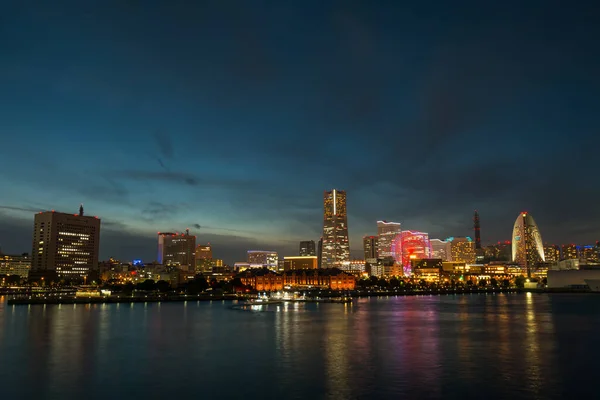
237,115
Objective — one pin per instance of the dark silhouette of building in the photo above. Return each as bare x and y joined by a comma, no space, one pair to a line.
307,248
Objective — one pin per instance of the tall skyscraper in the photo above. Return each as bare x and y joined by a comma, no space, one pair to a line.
386,233
65,243
336,245
370,247
176,249
307,248
527,245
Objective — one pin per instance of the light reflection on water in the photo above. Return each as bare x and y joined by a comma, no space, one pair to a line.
427,347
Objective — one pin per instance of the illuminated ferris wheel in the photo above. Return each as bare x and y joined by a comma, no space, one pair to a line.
410,245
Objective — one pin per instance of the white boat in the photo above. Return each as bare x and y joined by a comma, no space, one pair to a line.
594,284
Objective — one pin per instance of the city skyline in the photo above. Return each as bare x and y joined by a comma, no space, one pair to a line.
421,122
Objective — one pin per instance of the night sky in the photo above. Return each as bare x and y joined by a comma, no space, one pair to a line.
235,116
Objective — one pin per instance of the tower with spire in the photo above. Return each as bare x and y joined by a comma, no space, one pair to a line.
81,210
476,227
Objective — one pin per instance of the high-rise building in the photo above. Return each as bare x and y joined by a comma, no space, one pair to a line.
336,245
263,258
66,244
440,249
177,249
462,249
204,258
386,233
570,252
307,248
527,245
552,253
370,247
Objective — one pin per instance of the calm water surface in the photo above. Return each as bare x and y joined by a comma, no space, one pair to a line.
517,346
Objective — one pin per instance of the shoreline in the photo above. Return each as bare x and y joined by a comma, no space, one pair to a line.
53,299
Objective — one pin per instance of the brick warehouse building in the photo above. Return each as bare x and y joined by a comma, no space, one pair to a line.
264,279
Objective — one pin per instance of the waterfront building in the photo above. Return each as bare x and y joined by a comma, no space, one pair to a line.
336,244
386,233
370,244
204,258
569,252
307,248
427,269
15,265
301,262
354,267
264,279
527,245
65,244
440,249
263,258
462,249
552,253
177,249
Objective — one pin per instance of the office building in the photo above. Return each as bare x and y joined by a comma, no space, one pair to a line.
527,245
336,245
65,244
588,253
301,262
462,249
263,258
370,244
570,252
15,265
307,248
552,253
204,258
386,233
177,249
440,249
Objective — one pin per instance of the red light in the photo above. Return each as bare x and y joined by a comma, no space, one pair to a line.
52,210
75,214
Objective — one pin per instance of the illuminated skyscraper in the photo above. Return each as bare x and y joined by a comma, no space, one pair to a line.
336,246
307,248
370,247
65,243
386,233
527,245
176,249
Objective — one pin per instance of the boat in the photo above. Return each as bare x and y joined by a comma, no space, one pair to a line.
594,284
262,302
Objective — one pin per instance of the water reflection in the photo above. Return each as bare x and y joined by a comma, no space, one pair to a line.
477,346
